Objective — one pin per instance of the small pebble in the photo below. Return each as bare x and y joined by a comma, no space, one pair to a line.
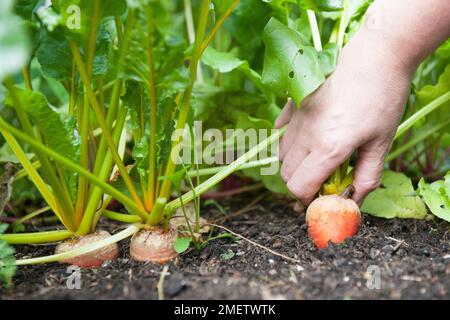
277,244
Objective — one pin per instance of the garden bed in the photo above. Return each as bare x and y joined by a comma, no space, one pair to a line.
412,256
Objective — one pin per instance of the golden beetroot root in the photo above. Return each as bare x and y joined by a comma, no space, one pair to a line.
155,245
91,259
332,218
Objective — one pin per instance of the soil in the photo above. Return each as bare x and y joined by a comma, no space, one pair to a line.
410,258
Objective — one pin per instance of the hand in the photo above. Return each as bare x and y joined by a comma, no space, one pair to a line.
357,108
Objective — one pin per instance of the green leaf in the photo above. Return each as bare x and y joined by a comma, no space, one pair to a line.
323,5
291,67
54,55
77,22
181,244
228,255
430,92
58,133
356,8
437,196
15,43
140,155
103,48
246,24
395,198
7,261
25,8
222,61
328,58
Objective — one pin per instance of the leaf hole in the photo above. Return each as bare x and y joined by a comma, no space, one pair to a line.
300,51
291,74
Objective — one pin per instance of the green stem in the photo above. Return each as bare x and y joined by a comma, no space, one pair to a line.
73,166
103,175
27,78
83,127
112,114
229,169
343,25
433,105
37,180
155,217
184,109
153,109
415,140
62,198
337,176
314,30
32,215
127,218
189,21
217,26
36,237
248,165
105,128
23,173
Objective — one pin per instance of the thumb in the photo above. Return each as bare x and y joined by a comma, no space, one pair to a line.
368,170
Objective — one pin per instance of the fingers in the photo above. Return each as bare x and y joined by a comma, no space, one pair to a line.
285,114
292,159
315,169
368,170
289,140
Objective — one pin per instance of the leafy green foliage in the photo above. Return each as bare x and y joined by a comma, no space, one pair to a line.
181,244
396,198
54,55
245,25
15,43
323,5
430,92
292,68
76,23
437,196
7,261
58,133
428,153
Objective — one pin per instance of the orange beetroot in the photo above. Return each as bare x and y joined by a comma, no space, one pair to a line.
91,259
155,245
332,218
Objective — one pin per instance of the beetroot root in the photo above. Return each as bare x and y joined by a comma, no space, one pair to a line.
91,259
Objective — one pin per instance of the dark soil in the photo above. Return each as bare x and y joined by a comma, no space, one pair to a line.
412,259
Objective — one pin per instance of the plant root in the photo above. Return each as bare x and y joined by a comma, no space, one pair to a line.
154,245
91,259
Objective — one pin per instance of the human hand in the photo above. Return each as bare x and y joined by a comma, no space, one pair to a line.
357,108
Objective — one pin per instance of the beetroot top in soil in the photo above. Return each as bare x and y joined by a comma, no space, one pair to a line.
410,257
